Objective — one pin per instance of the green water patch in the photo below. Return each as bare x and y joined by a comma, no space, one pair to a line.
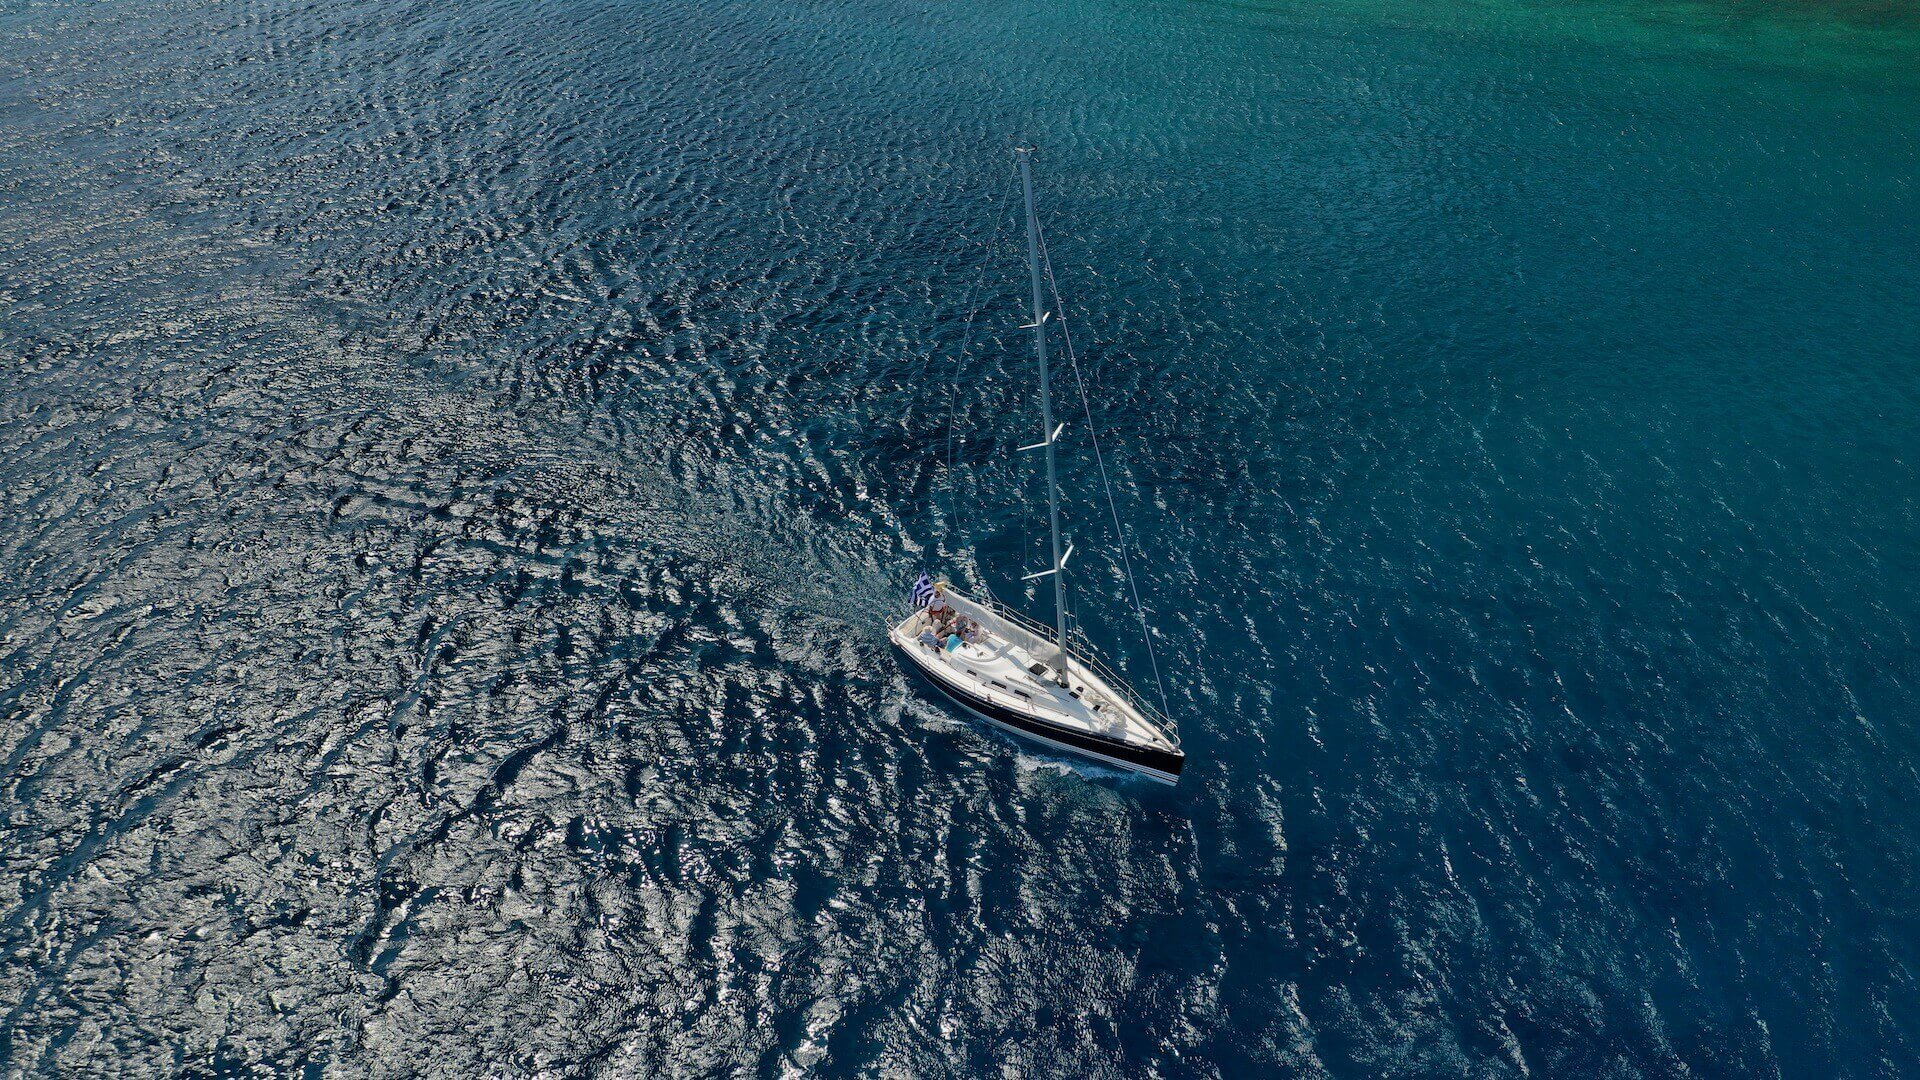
1872,42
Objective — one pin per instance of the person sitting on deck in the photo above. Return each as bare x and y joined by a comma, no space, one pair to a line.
930,639
953,641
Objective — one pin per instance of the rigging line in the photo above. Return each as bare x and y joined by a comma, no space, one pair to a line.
1073,362
966,344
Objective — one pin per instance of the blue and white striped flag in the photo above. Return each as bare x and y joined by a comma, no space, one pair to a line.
922,591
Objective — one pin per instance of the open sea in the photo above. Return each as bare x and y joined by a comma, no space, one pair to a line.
458,460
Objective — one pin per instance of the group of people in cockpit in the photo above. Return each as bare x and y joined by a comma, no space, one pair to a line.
947,628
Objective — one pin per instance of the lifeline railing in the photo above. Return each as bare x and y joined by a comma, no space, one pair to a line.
1086,657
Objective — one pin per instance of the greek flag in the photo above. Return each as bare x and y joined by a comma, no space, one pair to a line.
922,591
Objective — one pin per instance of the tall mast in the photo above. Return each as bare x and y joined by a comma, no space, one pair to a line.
1047,430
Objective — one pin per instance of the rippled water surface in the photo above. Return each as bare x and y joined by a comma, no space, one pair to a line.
456,461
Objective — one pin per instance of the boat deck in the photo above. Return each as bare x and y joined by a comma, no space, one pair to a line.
1000,671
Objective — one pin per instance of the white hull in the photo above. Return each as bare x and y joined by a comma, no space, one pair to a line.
995,680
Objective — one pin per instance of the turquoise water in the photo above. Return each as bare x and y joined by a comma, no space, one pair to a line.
459,459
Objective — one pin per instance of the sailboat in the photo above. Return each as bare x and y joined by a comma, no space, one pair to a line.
1019,674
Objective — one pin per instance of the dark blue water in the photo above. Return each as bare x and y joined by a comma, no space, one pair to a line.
457,460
